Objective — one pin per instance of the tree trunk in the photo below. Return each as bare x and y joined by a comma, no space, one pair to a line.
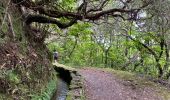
166,66
160,70
126,48
106,58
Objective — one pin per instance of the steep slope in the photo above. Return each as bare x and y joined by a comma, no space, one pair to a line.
25,67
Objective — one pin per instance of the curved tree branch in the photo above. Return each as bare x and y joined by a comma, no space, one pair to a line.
48,15
43,19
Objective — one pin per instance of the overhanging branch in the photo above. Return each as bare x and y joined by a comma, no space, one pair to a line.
47,15
43,19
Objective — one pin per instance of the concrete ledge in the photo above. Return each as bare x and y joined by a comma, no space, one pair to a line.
76,90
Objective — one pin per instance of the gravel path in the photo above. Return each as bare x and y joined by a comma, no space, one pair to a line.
102,85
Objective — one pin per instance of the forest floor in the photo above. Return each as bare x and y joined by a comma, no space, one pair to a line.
107,84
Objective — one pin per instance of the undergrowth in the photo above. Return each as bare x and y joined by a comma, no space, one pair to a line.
47,91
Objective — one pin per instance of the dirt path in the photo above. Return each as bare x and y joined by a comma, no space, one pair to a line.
102,85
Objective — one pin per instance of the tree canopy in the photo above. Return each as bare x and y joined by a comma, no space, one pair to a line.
66,13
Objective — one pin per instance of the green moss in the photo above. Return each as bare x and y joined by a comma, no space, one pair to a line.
63,66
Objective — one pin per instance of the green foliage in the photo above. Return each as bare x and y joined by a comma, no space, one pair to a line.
83,46
52,46
81,49
68,5
47,92
13,76
80,28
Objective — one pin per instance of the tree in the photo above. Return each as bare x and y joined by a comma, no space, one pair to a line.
49,11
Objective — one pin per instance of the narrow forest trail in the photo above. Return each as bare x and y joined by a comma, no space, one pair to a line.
104,85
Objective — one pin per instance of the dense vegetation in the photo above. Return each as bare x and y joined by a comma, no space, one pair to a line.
130,35
139,44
